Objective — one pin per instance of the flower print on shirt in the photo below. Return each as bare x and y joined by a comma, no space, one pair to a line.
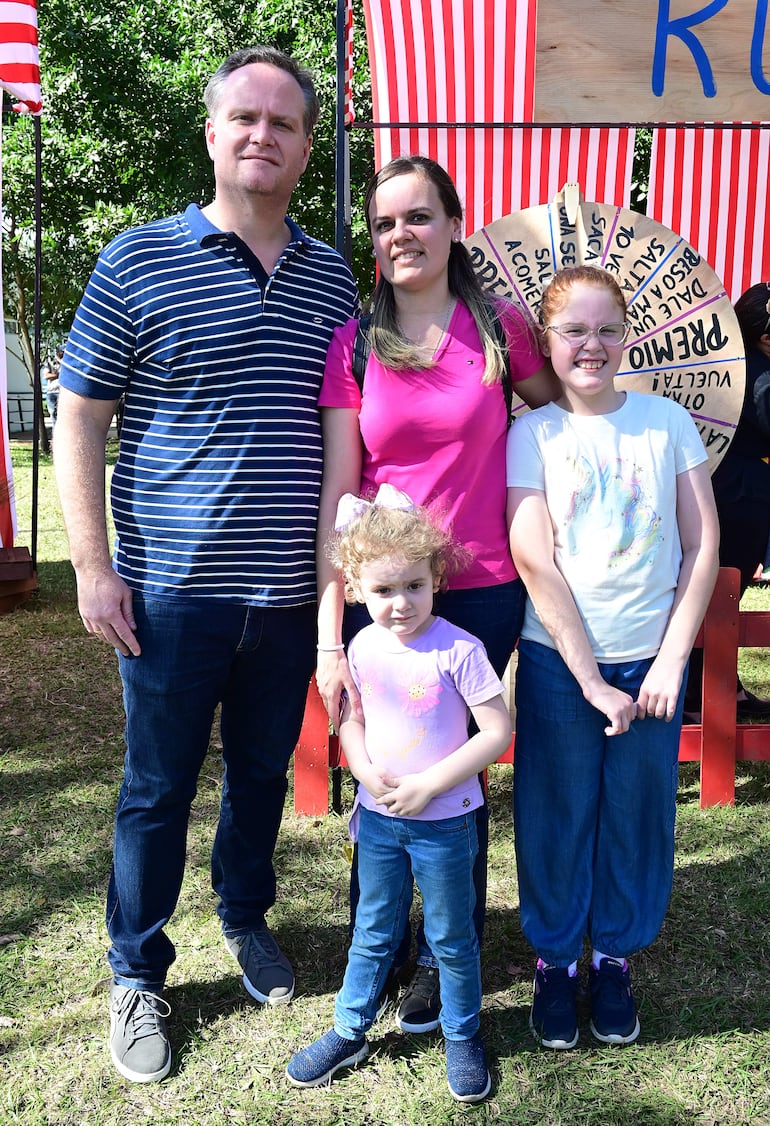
623,505
419,696
371,686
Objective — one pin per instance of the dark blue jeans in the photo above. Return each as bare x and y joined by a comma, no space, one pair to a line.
196,655
493,614
593,814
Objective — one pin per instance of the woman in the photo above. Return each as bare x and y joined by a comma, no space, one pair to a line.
432,421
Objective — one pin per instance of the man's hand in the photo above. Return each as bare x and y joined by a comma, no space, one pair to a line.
105,603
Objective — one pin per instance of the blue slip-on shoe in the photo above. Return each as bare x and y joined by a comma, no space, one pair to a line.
315,1065
267,973
466,1070
553,1016
613,1011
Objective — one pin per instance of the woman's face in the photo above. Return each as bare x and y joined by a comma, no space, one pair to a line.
411,232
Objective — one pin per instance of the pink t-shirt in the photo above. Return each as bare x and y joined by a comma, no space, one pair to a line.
440,434
415,700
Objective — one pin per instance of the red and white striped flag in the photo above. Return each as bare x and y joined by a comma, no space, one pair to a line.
19,61
350,113
472,61
723,212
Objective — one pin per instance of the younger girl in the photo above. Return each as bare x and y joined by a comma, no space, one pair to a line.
614,532
417,769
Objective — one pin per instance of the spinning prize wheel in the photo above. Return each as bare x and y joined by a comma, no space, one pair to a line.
684,343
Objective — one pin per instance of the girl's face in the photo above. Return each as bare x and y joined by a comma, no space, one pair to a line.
586,370
398,595
411,232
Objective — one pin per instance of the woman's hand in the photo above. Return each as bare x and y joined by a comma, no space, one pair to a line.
335,683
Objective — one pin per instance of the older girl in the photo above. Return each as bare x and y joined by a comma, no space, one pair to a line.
614,531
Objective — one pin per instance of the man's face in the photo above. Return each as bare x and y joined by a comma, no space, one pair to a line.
256,137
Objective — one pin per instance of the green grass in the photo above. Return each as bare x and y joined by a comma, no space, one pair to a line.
703,1057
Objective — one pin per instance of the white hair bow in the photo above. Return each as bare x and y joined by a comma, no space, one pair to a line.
350,507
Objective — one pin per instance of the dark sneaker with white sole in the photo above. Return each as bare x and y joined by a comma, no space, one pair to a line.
138,1042
315,1065
267,972
553,1017
421,1003
613,1011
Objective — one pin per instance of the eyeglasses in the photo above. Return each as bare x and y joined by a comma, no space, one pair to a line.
577,335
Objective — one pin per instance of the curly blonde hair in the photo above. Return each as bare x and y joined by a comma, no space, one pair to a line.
410,534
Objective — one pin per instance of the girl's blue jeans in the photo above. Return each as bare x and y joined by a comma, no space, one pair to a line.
493,614
593,814
439,855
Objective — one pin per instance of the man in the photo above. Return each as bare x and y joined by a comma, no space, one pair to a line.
215,325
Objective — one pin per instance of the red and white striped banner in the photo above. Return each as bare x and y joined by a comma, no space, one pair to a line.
350,113
473,61
723,212
19,62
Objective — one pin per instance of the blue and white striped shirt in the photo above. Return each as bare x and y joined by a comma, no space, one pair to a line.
215,492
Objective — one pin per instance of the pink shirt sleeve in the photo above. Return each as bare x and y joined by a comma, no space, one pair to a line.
339,388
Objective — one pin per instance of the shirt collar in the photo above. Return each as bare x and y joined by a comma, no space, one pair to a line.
205,233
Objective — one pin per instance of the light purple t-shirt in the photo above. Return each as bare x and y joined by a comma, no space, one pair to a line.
439,434
415,700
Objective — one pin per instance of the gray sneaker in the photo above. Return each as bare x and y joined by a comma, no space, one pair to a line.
267,972
138,1043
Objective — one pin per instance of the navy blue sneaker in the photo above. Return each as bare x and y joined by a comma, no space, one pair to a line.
314,1066
466,1070
421,1003
613,1012
553,1017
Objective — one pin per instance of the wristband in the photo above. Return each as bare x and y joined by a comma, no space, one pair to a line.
330,648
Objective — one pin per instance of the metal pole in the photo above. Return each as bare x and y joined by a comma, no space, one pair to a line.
342,227
37,406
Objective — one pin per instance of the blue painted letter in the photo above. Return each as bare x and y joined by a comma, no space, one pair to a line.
681,28
757,43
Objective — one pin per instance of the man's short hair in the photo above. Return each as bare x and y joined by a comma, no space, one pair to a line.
212,95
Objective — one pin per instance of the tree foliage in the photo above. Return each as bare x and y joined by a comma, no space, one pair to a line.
122,130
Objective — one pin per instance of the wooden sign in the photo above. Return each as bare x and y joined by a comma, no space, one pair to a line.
685,342
669,60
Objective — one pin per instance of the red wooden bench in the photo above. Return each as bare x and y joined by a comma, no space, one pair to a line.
717,742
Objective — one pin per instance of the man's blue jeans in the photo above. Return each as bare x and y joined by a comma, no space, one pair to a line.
440,855
196,655
593,814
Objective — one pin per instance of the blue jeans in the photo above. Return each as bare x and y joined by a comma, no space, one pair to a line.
493,614
196,655
439,855
593,814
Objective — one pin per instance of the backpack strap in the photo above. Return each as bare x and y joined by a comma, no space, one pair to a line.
506,382
362,347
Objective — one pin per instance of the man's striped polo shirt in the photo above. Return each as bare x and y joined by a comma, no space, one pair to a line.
215,492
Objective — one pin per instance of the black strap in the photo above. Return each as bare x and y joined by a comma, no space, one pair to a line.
362,347
505,382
